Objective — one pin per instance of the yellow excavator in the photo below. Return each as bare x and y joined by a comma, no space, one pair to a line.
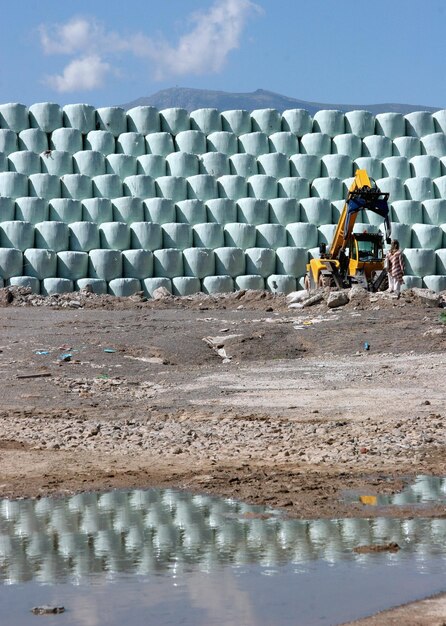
354,257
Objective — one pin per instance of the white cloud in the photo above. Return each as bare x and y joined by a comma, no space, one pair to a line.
84,74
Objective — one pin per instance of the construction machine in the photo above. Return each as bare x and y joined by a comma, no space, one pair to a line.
354,257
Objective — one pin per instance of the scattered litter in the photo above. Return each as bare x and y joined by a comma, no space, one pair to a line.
42,352
109,350
65,357
37,375
218,345
369,500
152,359
297,296
366,346
313,300
47,610
224,330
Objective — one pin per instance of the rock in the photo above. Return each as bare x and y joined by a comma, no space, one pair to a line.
74,304
427,296
337,298
357,293
313,300
161,293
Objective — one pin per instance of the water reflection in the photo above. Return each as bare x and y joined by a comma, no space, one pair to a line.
148,532
425,490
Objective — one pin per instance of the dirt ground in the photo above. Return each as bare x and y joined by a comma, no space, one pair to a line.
308,405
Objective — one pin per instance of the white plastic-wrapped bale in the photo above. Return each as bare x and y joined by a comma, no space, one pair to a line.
64,210
97,210
110,186
206,120
360,123
159,210
330,122
419,188
394,186
150,284
249,281
199,262
13,184
8,141
263,186
101,141
191,141
390,125
137,263
39,263
72,265
305,166
434,144
347,144
363,227
123,165
202,186
105,264
56,162
45,115
255,143
44,186
222,141
172,187
419,262
291,261
221,210
316,211
237,121
159,143
53,285
24,162
232,186
410,282
153,165
318,144
168,263
336,210
76,186
439,118
243,164
440,255
240,235
326,232
146,235
66,140
112,119
29,282
14,116
214,163
407,146
425,165
208,235
217,284
260,261
396,167
372,166
138,186
143,119
419,124
8,210
229,261
267,121
127,209
281,283
271,236
190,212
177,236
51,235
182,164
252,211
407,211
283,211
336,165
440,187
16,234
124,287
284,142
79,116
302,235
329,187
114,235
89,162
436,283
174,120
11,262
427,236
297,121
131,143
84,236
377,146
33,139
275,164
185,285
97,285
434,212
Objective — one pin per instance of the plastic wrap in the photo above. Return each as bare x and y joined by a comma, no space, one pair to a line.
407,211
419,262
436,283
8,141
76,186
232,186
284,211
297,121
391,125
97,285
262,186
284,142
8,209
185,285
199,262
425,165
182,164
33,139
80,116
128,210
11,262
206,120
153,165
177,236
440,256
419,188
105,264
396,167
427,236
237,121
281,283
111,119
191,141
29,282
434,212
159,143
377,146
240,235
305,166
150,284
407,147
39,263
190,212
222,141
434,144
146,235
249,281
371,165
326,232
214,163
45,115
260,261
229,261
137,263
302,235
315,143
168,263
360,123
51,286
316,211
347,144
24,162
124,287
221,210
64,210
174,120
143,119
267,121
109,186
97,210
172,187
66,140
336,165
44,186
419,124
72,265
89,162
217,284
208,235
124,165
329,187
252,211
291,261
101,141
271,236
330,122
13,184
83,236
56,162
394,186
160,210
114,235
439,187
14,116
243,164
51,235
16,234
139,186
275,164
203,187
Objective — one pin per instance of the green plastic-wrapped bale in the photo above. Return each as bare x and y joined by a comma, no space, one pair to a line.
124,287
284,211
72,265
199,262
252,211
39,263
83,236
89,162
217,284
114,235
16,234
182,164
146,235
105,264
51,235
79,116
24,162
76,186
144,120
207,120
11,262
53,285
47,116
137,263
209,235
190,212
240,235
260,261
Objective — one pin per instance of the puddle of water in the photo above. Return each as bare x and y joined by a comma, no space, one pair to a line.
424,491
166,557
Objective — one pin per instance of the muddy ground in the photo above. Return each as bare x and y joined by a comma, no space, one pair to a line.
298,414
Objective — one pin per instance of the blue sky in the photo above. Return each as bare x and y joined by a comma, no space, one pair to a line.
336,51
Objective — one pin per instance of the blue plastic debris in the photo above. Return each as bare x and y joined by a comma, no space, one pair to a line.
366,346
110,350
65,357
42,352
